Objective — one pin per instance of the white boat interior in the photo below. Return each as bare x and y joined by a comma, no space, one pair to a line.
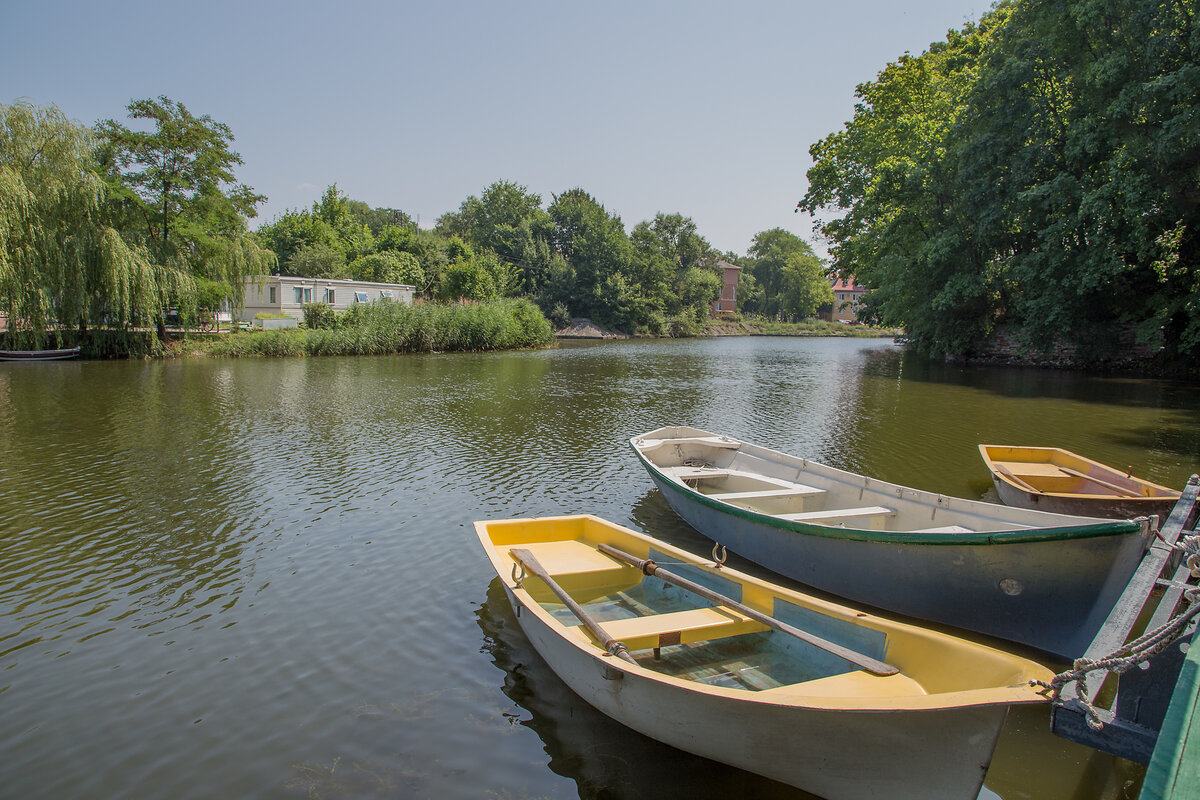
764,481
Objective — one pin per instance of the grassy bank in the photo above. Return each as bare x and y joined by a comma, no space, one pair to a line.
761,326
382,328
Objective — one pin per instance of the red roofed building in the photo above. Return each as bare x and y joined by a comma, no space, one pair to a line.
847,297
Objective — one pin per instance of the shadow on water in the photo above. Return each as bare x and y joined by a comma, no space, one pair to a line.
1014,382
607,760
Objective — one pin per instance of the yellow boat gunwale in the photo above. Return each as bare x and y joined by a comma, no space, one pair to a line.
986,451
910,647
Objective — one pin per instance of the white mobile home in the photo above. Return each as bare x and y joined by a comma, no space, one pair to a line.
285,294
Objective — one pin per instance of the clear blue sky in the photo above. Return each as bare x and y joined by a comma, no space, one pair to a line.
702,108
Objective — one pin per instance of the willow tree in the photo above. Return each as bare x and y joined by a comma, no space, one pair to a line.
62,261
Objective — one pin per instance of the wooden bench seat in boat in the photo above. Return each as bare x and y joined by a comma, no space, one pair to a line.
572,557
678,627
852,684
708,441
692,473
875,513
799,490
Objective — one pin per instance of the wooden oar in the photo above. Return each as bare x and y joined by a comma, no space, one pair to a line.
610,644
1118,489
871,665
1006,472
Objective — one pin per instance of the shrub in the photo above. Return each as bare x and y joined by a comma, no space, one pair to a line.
319,316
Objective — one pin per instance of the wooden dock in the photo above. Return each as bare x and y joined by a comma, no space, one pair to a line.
1146,713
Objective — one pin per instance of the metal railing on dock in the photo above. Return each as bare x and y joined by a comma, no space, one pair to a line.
1128,725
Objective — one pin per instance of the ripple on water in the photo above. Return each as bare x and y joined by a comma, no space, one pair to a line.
260,577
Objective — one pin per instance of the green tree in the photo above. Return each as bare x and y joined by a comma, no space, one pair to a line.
388,266
294,230
592,241
62,259
899,226
805,288
666,250
769,252
178,179
318,261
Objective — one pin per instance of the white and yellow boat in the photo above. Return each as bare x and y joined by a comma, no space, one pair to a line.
837,702
1057,480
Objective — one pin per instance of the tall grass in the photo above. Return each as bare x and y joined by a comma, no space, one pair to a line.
385,327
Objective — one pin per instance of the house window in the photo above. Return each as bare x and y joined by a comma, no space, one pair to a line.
385,293
329,296
272,294
303,294
360,297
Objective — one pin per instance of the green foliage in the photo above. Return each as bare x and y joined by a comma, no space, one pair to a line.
319,316
318,261
805,287
176,189
559,316
784,270
478,277
382,328
1038,169
62,258
388,266
593,242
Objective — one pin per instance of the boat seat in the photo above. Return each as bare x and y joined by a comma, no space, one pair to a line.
691,473
572,557
945,529
799,490
857,684
679,627
709,441
835,515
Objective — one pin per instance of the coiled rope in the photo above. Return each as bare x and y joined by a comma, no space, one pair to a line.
1135,652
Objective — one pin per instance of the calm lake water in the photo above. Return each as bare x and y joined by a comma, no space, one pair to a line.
259,578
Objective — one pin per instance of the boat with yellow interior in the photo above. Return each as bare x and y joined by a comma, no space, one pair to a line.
838,702
1057,480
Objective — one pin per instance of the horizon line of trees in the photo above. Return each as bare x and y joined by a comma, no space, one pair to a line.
572,257
111,226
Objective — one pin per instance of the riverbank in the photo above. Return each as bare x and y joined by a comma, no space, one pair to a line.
582,328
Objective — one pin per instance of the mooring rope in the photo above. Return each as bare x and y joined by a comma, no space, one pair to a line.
1138,651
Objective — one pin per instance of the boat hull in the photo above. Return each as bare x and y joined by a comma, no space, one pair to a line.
836,754
1049,587
1050,595
1107,507
843,703
39,355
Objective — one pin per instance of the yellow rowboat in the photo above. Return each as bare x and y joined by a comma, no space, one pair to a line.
1059,481
834,701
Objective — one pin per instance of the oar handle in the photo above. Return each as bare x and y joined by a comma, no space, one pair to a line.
1074,473
872,665
610,644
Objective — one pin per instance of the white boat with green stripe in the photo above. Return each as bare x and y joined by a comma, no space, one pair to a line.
1045,580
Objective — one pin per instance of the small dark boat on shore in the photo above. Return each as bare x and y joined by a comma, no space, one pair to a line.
39,355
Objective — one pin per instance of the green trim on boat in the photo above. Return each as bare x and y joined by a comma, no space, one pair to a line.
1066,532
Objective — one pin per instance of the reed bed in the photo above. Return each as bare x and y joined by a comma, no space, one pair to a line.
382,328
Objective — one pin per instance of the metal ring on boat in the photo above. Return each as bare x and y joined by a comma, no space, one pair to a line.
724,554
517,578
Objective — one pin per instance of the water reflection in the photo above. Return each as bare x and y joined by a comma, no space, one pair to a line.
258,577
